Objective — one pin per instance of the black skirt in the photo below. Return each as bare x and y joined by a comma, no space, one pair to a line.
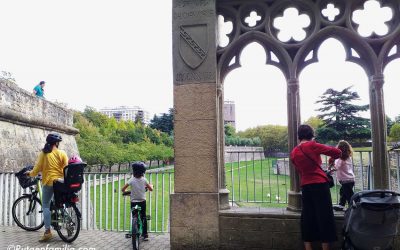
317,219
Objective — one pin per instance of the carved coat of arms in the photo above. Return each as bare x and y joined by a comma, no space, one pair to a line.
193,44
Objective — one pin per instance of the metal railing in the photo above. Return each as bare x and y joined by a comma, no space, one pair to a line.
101,202
10,190
103,206
253,178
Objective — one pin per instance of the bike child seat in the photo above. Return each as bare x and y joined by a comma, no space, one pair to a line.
73,177
72,183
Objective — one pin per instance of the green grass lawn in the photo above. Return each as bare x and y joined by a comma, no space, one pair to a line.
263,188
255,181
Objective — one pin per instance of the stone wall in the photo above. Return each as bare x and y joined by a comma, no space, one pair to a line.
25,121
268,229
235,154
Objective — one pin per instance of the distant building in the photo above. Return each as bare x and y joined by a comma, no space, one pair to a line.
126,113
229,113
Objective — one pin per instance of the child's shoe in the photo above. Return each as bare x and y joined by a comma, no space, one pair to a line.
145,237
338,207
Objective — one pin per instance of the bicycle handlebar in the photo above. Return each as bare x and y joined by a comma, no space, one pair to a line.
395,146
126,193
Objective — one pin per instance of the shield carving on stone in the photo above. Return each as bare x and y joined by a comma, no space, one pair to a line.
193,44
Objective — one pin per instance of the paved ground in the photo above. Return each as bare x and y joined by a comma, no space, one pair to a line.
14,238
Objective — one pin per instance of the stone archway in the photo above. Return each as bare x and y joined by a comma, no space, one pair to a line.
200,66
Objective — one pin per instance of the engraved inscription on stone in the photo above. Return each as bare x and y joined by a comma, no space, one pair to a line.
191,3
193,14
193,44
194,76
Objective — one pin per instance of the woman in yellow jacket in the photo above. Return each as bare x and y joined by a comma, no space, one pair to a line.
51,162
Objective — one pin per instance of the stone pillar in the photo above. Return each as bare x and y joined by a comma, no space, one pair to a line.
380,169
223,191
195,204
293,99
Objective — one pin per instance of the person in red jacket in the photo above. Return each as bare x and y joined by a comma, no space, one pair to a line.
317,219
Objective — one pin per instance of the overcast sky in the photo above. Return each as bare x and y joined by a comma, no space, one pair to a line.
91,52
112,53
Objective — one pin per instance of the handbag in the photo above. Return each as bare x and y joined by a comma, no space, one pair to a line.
331,182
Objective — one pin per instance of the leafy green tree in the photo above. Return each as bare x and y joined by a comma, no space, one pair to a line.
389,124
341,116
167,140
139,134
325,134
86,128
97,118
256,141
164,123
232,139
273,138
137,152
314,122
395,132
229,130
105,141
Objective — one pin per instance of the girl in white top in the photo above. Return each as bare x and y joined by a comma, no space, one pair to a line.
345,174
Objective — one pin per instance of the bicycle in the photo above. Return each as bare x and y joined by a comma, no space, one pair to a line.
27,210
136,229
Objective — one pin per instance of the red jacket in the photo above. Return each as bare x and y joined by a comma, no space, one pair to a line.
308,169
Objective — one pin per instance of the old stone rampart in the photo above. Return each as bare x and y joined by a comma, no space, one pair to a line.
25,121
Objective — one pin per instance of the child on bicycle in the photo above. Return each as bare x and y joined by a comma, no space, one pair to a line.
139,185
345,174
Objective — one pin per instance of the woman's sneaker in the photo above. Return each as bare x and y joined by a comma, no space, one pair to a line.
46,237
338,207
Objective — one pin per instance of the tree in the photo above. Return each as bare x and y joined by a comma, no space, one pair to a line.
389,124
164,122
395,132
229,130
340,117
314,122
232,139
273,138
105,141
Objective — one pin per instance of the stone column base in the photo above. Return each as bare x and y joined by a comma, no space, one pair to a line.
224,199
194,221
294,201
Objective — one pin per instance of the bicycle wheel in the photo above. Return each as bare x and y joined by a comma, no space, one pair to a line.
27,212
68,223
135,234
